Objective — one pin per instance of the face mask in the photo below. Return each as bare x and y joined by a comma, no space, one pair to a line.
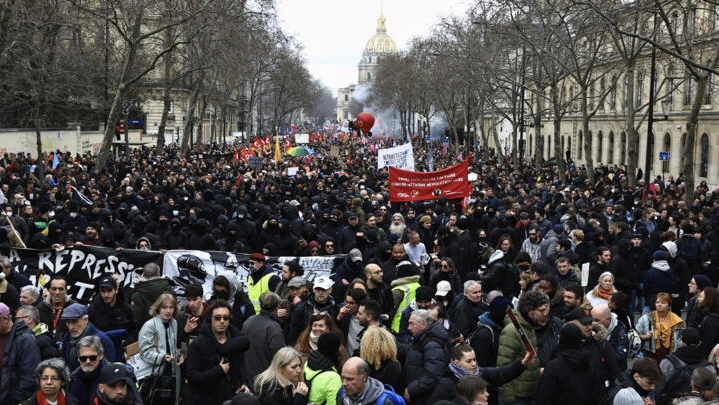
223,295
9,214
175,213
51,214
73,214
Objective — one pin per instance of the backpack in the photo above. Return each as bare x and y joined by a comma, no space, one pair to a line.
388,393
635,342
677,383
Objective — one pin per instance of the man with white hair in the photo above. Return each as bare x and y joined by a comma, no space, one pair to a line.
616,333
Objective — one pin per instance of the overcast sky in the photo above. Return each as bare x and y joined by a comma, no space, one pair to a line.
334,32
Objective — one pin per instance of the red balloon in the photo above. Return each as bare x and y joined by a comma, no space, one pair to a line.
364,122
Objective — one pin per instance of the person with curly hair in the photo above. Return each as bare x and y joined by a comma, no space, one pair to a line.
708,302
379,350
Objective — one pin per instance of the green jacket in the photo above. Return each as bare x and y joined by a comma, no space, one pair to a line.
324,385
512,348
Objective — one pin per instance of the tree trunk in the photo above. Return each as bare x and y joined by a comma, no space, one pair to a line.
190,115
632,134
689,146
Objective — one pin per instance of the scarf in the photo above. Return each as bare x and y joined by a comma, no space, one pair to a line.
313,341
459,372
602,293
41,400
663,330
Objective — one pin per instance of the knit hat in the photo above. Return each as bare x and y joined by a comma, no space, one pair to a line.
498,309
4,309
329,345
257,257
659,255
702,281
423,294
570,337
691,336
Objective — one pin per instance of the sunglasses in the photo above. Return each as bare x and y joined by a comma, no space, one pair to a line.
221,317
314,251
87,358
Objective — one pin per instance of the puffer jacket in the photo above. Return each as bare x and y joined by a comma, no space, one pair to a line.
511,348
426,362
322,378
18,381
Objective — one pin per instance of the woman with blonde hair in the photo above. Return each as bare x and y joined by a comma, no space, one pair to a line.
158,340
319,324
379,350
280,383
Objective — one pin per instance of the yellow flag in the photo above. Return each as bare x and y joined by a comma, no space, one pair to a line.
278,154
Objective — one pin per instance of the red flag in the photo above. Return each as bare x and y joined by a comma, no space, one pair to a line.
257,144
236,157
288,143
406,185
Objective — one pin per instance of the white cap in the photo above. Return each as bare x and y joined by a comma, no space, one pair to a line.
323,282
443,288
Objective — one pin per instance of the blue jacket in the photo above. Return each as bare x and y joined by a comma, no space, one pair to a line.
21,356
90,330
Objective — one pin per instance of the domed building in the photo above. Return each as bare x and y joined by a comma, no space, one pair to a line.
378,46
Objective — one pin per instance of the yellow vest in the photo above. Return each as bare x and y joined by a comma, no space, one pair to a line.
255,290
410,291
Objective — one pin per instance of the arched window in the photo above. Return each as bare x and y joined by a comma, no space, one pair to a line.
623,149
569,148
704,167
610,159
580,146
600,143
549,146
652,155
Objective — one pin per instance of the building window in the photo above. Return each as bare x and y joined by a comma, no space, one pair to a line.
171,107
580,145
688,91
623,149
347,97
610,159
704,167
640,89
708,95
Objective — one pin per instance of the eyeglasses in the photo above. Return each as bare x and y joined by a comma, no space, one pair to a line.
329,245
21,317
444,266
52,378
221,317
532,234
87,358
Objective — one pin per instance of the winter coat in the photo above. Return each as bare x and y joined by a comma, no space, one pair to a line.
70,353
659,278
426,362
18,381
323,379
501,275
47,316
266,338
495,376
145,294
646,324
465,315
568,379
511,348
617,338
304,311
373,389
45,342
279,395
153,347
83,386
208,382
121,316
485,341
69,400
709,333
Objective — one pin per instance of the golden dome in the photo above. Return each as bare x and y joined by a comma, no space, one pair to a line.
380,41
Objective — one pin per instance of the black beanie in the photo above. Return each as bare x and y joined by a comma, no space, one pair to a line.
570,337
498,309
329,345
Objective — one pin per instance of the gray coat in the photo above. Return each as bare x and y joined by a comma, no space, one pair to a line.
266,338
153,344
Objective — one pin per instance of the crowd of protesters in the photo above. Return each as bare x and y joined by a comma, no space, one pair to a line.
420,302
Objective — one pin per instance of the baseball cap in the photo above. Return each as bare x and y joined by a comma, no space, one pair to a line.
114,372
107,282
74,311
443,288
323,282
580,314
4,309
355,255
297,282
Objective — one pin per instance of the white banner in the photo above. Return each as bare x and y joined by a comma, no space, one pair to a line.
400,157
302,138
